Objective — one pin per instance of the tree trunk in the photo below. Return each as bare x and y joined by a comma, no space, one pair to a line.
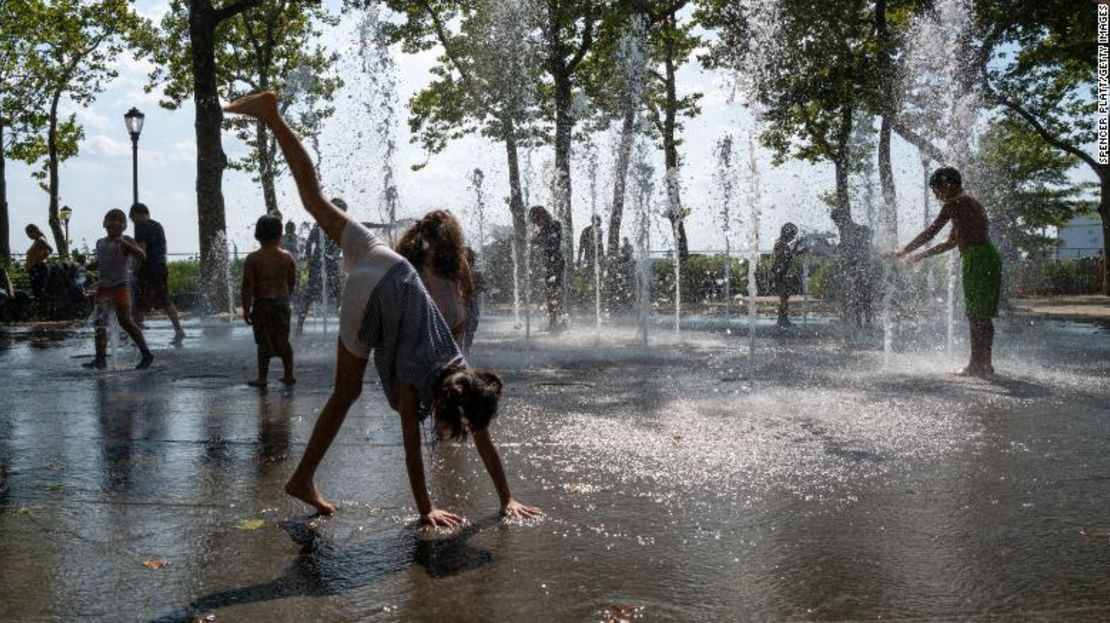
1104,212
60,242
886,171
886,180
211,159
842,163
266,168
670,143
564,127
516,208
620,180
5,243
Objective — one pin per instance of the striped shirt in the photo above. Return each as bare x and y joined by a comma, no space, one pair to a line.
387,309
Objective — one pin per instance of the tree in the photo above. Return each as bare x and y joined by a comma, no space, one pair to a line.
263,49
203,19
268,46
21,123
1038,62
568,28
805,78
486,81
615,77
668,42
76,43
672,43
1023,183
637,50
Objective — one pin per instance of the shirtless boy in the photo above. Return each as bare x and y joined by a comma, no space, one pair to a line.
982,264
269,276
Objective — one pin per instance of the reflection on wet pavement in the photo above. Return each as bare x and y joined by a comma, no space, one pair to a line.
683,481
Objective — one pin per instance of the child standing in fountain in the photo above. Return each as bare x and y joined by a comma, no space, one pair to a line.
435,247
981,262
269,277
113,286
387,309
549,238
785,250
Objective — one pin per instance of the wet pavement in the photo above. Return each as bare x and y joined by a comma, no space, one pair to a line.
687,481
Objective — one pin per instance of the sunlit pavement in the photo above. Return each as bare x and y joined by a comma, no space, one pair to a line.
685,480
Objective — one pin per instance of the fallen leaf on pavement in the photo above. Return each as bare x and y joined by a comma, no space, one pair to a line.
156,563
250,524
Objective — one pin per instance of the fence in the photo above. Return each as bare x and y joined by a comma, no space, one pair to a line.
1045,276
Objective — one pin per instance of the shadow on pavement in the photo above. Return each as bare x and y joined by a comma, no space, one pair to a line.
322,569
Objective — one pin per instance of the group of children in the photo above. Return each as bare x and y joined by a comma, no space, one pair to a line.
412,308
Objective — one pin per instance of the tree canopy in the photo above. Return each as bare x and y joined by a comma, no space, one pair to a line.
258,50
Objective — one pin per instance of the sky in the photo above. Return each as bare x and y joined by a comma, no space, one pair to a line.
99,178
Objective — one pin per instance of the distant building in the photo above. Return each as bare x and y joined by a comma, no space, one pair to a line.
1081,237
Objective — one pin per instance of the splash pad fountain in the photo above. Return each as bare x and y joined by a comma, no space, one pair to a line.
821,484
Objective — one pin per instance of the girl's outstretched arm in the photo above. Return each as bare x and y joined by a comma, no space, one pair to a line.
414,462
263,106
492,461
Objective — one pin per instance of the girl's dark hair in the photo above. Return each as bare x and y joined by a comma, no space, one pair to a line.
440,235
539,214
469,392
116,213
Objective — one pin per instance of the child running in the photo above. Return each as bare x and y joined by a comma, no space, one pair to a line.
981,262
269,276
387,309
113,286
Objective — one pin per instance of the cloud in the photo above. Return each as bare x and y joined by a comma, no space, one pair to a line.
95,120
104,146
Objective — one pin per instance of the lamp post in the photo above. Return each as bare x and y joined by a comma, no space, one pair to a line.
65,213
134,121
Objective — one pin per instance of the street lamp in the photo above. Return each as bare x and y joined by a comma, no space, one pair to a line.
134,121
65,213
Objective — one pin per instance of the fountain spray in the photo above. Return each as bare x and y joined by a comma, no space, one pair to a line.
725,175
753,240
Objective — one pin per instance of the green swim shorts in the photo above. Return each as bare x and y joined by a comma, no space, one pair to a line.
982,277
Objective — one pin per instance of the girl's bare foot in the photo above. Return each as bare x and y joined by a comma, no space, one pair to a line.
259,383
308,494
288,380
258,105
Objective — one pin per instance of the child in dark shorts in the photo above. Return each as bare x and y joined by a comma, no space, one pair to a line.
269,276
152,276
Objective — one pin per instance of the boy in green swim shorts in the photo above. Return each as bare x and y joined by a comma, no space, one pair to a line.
982,264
